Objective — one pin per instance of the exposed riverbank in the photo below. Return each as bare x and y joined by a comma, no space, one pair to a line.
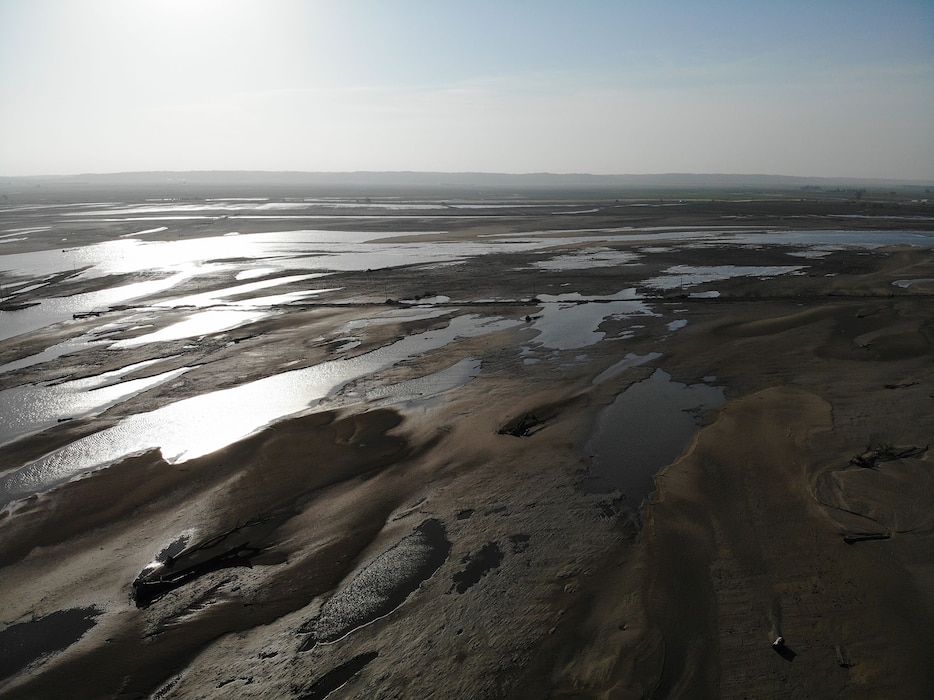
429,517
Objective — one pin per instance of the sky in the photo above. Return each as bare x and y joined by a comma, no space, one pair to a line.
832,88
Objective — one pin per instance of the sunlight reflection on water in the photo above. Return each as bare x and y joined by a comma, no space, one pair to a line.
28,409
565,324
202,424
689,275
199,324
181,260
58,309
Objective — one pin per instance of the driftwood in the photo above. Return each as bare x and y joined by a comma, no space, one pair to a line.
220,552
866,536
523,426
885,453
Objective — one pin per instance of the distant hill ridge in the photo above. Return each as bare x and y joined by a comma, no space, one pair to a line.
457,179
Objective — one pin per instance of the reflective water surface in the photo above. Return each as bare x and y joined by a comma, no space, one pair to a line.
629,361
28,409
690,275
156,284
202,424
646,428
569,321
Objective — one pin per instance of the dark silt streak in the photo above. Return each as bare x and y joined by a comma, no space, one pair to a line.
382,586
337,677
489,557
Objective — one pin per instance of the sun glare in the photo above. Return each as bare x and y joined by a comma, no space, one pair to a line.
202,16
185,9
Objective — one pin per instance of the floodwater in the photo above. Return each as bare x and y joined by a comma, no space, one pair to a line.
570,321
202,424
28,409
418,391
25,642
54,310
72,345
646,428
256,275
478,564
338,677
629,361
161,266
690,275
905,284
587,259
197,324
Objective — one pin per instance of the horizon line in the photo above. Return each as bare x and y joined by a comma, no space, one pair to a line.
526,174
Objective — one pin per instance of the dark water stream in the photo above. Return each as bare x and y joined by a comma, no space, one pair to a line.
646,428
25,642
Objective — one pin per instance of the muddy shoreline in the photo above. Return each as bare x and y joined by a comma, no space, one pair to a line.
439,541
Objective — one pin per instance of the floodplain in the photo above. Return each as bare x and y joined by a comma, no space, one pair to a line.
284,442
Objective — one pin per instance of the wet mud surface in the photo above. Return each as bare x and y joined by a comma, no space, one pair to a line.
381,587
439,496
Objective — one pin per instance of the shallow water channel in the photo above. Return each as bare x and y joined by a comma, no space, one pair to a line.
646,428
28,408
202,424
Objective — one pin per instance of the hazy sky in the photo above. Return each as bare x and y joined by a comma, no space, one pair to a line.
816,87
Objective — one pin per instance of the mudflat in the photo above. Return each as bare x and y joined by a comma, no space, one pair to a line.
427,521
